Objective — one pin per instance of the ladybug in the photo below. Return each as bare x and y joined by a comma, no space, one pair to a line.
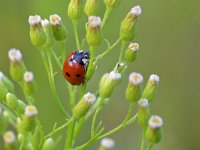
75,66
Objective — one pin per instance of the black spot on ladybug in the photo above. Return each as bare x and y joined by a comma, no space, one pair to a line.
67,74
78,75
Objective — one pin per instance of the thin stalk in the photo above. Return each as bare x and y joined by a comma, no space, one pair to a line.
122,52
72,97
143,140
76,34
106,16
56,58
63,50
79,127
130,111
150,146
70,135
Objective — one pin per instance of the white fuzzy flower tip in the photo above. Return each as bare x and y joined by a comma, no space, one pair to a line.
14,55
9,137
1,74
55,19
136,10
94,21
136,78
114,75
134,47
33,20
31,110
143,103
28,76
154,78
45,23
89,98
155,122
107,143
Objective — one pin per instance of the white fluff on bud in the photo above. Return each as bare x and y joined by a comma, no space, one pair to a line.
30,111
45,23
55,19
154,78
14,55
9,137
33,20
155,122
136,10
114,75
94,21
135,78
28,76
143,103
107,143
134,47
89,98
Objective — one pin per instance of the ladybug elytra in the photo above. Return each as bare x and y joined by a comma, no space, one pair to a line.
75,66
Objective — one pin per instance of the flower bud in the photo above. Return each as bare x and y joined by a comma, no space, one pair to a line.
131,52
83,105
93,35
154,130
3,123
10,140
3,91
28,121
37,34
112,3
58,29
106,144
150,89
12,101
17,67
108,83
75,9
133,91
90,7
7,82
47,29
21,107
49,144
143,113
29,84
128,25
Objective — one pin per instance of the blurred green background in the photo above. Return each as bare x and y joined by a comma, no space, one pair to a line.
169,37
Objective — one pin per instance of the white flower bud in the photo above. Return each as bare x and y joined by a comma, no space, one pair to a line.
55,19
134,47
107,143
143,103
30,111
28,76
94,21
155,122
45,23
14,55
135,78
9,137
154,78
34,20
136,10
89,98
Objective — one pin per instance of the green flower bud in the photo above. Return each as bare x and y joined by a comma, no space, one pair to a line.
108,83
17,67
150,89
3,123
7,82
90,7
12,101
128,25
106,144
133,91
29,84
154,131
47,29
37,34
49,144
131,52
58,29
143,113
8,116
83,105
21,107
75,9
112,3
3,91
10,140
28,121
93,35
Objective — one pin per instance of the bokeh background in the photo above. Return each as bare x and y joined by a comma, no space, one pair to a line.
169,37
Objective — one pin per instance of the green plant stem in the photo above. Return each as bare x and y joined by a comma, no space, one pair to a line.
106,16
70,135
52,84
143,140
72,97
130,111
76,34
79,127
122,52
150,146
58,129
56,58
106,52
63,50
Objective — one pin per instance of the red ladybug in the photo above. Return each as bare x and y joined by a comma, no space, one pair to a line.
75,66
